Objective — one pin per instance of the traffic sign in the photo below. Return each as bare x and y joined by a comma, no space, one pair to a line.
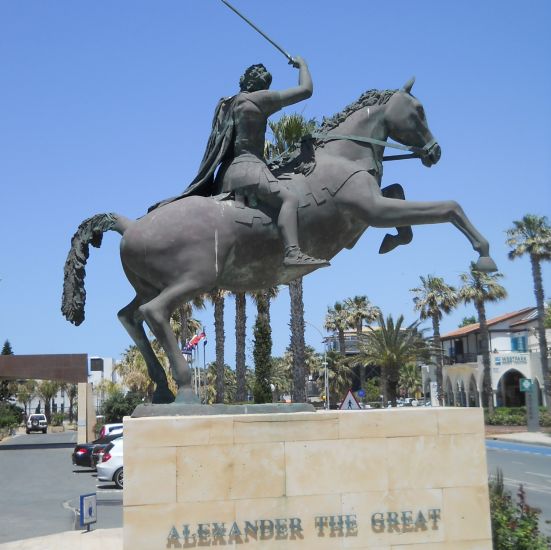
361,393
350,403
525,384
88,510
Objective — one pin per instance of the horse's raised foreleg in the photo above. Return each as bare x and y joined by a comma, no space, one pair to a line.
404,233
132,321
380,211
157,315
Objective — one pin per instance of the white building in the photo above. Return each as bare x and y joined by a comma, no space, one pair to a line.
514,355
99,369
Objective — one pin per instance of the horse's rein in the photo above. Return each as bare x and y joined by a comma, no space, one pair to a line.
417,152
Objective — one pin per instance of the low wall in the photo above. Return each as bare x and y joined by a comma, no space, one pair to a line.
381,479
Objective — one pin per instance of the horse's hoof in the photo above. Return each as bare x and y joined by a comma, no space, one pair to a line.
162,395
390,242
486,264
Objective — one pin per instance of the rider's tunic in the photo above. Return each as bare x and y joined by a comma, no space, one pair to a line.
248,170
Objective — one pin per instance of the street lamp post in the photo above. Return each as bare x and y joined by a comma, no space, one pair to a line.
326,377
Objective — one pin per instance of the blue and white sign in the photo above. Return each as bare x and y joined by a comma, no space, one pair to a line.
88,509
361,393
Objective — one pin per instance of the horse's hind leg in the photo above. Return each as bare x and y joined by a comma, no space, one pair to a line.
132,320
405,233
157,314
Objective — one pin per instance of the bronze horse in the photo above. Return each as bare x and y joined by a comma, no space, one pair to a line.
197,244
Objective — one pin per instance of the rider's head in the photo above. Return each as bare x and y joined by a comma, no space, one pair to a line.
256,78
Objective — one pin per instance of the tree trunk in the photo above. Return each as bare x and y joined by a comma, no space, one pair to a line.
439,359
262,352
392,385
538,291
487,393
297,341
363,368
384,386
219,336
342,343
240,333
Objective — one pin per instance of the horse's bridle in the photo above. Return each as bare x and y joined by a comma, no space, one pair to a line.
417,152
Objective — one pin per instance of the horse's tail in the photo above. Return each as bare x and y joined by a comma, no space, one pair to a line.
90,231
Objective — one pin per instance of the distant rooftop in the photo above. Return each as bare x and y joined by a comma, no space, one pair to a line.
529,314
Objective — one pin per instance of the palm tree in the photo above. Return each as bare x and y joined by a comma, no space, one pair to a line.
336,320
409,379
433,298
390,346
360,309
532,236
218,300
240,334
286,135
229,382
47,390
479,288
340,374
133,371
25,392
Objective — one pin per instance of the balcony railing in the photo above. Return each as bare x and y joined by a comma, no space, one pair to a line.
460,358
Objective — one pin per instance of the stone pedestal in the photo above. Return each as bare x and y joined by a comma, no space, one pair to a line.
378,479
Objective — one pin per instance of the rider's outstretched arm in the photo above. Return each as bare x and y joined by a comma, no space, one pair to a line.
305,86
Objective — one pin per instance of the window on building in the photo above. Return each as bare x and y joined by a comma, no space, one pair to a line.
519,343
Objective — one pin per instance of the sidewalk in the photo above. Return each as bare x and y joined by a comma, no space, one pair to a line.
104,539
530,438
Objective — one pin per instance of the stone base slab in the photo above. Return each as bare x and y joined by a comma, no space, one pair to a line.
378,479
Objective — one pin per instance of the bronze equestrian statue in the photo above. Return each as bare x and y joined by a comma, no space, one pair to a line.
201,243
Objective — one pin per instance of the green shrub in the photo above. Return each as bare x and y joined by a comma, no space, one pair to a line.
514,524
10,416
57,419
515,416
545,418
118,405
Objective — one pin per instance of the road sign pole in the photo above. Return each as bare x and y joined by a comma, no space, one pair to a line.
532,412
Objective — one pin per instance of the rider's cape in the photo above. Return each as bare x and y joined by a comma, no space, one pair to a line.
218,145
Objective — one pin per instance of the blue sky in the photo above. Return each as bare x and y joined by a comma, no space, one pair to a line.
106,106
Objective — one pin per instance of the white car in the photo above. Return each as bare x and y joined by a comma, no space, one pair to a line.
110,467
107,429
37,423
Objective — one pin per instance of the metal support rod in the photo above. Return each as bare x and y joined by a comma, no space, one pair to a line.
248,21
326,373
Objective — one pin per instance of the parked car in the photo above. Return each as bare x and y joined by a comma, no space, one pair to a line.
106,429
111,467
82,453
99,448
37,423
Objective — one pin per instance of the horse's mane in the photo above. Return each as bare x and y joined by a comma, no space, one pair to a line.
302,160
371,97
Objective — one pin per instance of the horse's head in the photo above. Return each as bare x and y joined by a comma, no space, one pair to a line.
407,124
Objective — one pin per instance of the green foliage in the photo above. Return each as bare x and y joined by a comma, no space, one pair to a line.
515,416
57,419
118,405
409,380
372,388
6,348
547,318
208,389
7,388
514,523
262,359
10,415
466,321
